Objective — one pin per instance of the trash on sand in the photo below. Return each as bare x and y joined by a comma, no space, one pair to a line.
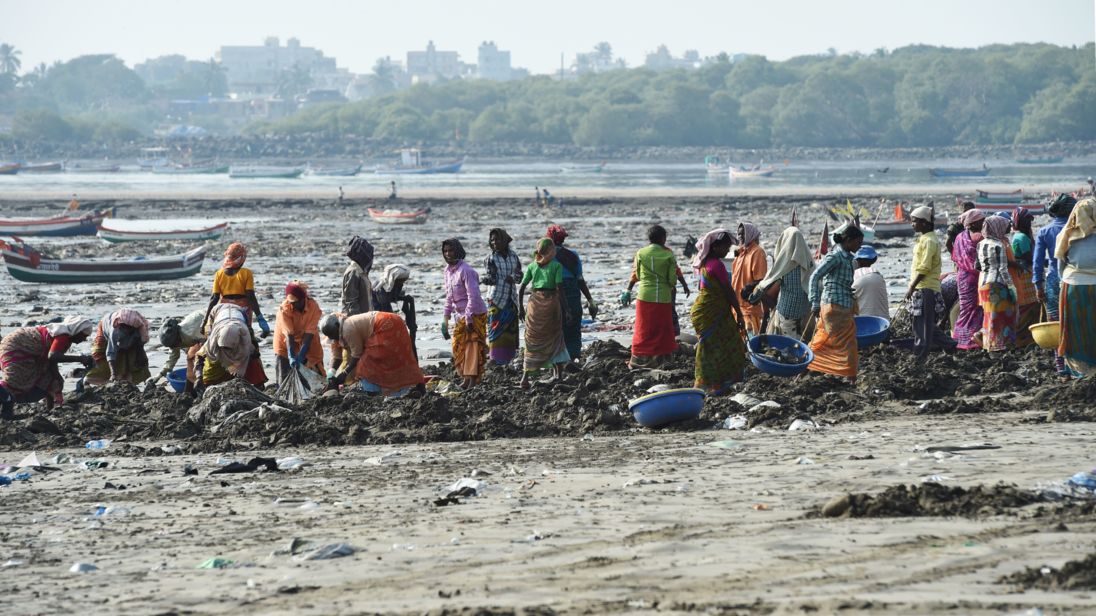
189,470
803,424
92,465
734,422
30,461
12,563
964,447
760,507
726,444
286,464
252,465
22,476
804,460
1083,480
745,400
82,568
532,538
307,549
768,404
103,510
5,480
642,481
654,389
384,457
479,472
216,563
935,479
467,482
102,443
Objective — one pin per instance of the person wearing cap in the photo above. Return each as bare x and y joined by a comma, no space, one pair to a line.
869,288
296,331
1044,265
379,356
833,307
925,286
963,247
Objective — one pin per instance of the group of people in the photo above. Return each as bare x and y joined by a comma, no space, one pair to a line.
1007,277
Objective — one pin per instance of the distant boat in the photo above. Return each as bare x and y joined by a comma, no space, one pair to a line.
576,168
412,163
958,172
152,158
57,226
752,172
335,171
1035,207
714,165
990,196
27,264
254,171
1049,160
176,169
96,168
398,217
117,231
41,168
9,168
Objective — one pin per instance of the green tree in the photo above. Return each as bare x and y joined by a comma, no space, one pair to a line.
42,124
293,81
383,78
9,59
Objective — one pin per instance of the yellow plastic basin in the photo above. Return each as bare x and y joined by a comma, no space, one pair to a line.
1047,335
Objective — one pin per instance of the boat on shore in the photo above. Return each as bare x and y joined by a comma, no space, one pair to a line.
84,168
990,196
715,166
1047,160
51,167
58,226
177,169
756,171
10,168
341,172
958,172
27,264
399,217
412,163
116,231
255,171
1035,207
582,168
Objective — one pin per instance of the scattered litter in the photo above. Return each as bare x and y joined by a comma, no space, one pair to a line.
61,458
82,568
808,425
92,465
110,486
853,456
102,443
761,507
286,464
804,460
643,481
726,444
964,447
103,510
589,436
290,502
761,406
309,505
385,457
216,563
189,470
467,482
935,479
5,480
734,422
745,400
654,389
307,549
479,472
30,461
532,538
22,476
12,563
252,465
1083,480
407,547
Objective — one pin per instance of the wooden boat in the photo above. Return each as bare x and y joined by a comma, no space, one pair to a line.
250,171
714,165
116,231
957,172
989,196
80,168
575,168
27,264
752,172
398,217
412,163
1035,207
1048,160
335,171
175,169
9,168
54,167
58,226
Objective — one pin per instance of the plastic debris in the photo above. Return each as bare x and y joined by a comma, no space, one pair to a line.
383,458
92,465
327,552
12,563
803,460
216,563
286,464
654,389
808,425
768,404
30,461
745,400
935,479
642,481
102,443
1083,480
82,568
467,482
726,444
734,422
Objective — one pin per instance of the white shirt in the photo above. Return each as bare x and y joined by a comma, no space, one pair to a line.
870,290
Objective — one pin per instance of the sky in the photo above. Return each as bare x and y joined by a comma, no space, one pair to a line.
536,33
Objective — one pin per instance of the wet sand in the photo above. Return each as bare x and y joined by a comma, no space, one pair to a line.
755,541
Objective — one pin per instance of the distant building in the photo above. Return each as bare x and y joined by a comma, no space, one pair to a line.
662,60
598,61
430,65
253,70
493,63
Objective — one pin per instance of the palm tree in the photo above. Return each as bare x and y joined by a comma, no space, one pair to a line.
383,79
604,53
9,59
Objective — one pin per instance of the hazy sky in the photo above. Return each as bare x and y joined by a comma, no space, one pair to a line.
357,33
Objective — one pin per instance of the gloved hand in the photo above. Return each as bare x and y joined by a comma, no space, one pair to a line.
263,325
625,298
87,360
330,373
445,329
149,383
294,361
332,384
592,307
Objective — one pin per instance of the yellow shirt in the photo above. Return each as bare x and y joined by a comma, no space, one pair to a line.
926,260
237,284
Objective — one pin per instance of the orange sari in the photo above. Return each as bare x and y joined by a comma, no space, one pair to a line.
834,342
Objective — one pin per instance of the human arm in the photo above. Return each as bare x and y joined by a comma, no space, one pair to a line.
213,301
591,305
1038,266
253,301
521,300
172,360
814,287
470,280
684,284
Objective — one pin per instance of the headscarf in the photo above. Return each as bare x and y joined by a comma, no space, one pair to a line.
970,217
330,325
557,233
792,251
503,236
360,251
704,246
1062,206
1081,224
229,342
455,244
297,289
546,251
393,274
171,334
996,228
132,318
71,326
750,233
235,255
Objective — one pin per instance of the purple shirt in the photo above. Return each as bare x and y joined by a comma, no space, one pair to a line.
462,294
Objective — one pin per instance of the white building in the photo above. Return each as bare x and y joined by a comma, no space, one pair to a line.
662,60
492,63
430,65
253,70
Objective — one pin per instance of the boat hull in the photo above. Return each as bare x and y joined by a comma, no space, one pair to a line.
452,167
268,173
336,173
1033,207
118,236
10,169
958,173
41,168
28,268
203,170
751,173
1052,160
52,227
398,218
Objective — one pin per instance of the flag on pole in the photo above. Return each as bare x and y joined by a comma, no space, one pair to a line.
824,243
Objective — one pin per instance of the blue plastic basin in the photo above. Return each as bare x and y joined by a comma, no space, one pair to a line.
666,407
871,330
177,380
776,368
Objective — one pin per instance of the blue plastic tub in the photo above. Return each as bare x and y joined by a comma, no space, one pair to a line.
776,368
871,330
177,380
666,407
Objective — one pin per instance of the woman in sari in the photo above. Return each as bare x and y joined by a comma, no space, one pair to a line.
964,254
30,359
995,290
717,317
390,292
503,273
655,269
119,349
1076,254
1044,266
229,351
379,353
1022,248
788,278
833,307
295,332
574,287
544,314
747,270
235,284
463,301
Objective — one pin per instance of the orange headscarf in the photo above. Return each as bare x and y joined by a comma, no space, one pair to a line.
235,255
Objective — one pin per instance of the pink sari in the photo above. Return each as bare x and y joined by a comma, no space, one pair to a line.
964,253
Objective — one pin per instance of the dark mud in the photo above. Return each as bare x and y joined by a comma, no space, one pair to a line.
930,499
1074,575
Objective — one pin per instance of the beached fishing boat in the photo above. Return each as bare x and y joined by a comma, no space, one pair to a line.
989,196
1035,207
115,231
715,166
752,172
27,264
252,171
398,217
10,168
57,226
54,167
576,168
335,171
412,163
1049,160
957,172
176,169
86,168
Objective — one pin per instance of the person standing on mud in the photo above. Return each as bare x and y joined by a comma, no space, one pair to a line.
235,284
544,315
964,254
296,331
1044,266
118,349
833,307
357,290
747,270
390,292
573,285
503,273
463,301
995,290
925,286
1076,253
1022,244
788,280
655,269
717,318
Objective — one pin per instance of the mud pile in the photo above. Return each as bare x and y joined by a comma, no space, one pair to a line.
930,499
1074,575
1074,401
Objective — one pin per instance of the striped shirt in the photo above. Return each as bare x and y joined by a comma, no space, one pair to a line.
831,281
791,302
993,263
502,271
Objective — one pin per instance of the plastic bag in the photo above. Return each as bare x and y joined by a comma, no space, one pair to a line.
299,384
